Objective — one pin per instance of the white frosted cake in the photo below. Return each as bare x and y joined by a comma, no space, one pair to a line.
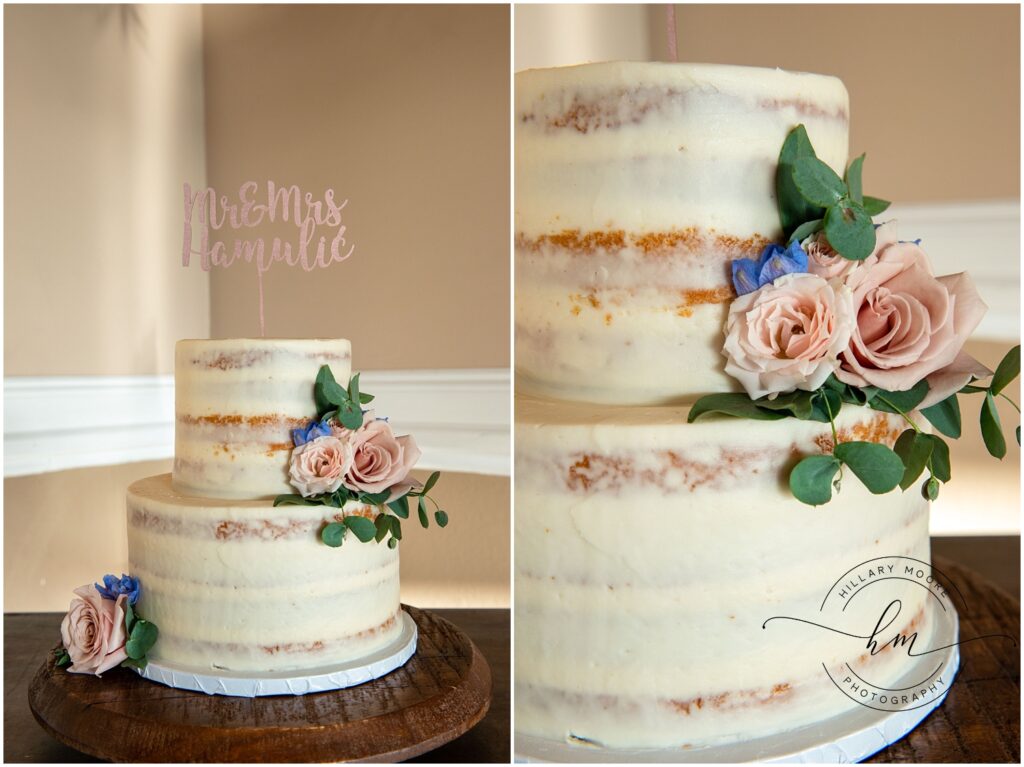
233,582
649,551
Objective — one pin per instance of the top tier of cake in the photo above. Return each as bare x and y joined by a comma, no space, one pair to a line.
636,185
236,402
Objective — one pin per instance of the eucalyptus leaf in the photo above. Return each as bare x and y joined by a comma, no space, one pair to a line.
898,401
940,457
853,179
991,429
1018,434
353,388
826,404
972,389
797,404
793,208
400,506
396,527
375,499
733,404
1006,371
817,182
874,206
421,510
914,450
350,415
945,416
294,500
129,617
441,517
930,489
382,526
392,543
324,377
805,230
877,466
63,659
365,398
333,534
849,230
362,528
142,638
431,481
811,479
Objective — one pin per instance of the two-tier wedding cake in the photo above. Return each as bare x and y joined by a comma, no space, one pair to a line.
650,551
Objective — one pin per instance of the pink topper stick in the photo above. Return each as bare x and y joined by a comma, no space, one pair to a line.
671,31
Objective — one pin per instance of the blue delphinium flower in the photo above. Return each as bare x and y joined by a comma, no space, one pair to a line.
312,431
749,275
113,587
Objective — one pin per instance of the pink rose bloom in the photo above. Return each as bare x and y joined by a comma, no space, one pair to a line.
787,335
910,325
319,466
826,263
93,632
381,459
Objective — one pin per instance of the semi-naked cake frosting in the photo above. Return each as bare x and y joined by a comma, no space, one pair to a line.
233,582
636,185
649,552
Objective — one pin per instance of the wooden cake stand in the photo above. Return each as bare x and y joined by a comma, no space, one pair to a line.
442,691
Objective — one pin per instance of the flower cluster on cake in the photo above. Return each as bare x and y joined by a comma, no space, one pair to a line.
846,312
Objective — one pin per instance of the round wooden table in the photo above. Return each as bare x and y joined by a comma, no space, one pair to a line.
442,691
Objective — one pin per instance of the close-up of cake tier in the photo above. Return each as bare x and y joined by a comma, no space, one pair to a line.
635,186
246,586
651,551
236,402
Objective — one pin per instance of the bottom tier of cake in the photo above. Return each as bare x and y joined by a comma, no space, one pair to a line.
650,553
244,586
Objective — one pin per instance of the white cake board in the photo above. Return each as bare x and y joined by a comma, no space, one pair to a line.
847,738
319,679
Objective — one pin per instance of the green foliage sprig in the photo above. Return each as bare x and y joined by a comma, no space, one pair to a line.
880,468
335,401
812,197
385,524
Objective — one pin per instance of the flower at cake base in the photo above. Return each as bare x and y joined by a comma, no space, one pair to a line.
381,460
319,466
93,631
910,325
113,587
788,335
775,261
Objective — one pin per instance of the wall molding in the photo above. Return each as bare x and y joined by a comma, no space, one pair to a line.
460,419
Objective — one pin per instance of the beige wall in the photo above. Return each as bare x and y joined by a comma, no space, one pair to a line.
103,119
65,529
934,89
402,110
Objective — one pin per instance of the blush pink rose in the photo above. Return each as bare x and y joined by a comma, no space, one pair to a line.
93,632
381,459
910,325
823,261
787,335
320,465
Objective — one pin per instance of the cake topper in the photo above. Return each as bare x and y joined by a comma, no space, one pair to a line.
320,231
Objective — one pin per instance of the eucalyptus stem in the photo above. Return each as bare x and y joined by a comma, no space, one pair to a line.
901,414
1010,401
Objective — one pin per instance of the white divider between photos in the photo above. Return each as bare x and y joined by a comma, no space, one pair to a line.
460,419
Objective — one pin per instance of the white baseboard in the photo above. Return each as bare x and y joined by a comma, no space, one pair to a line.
460,419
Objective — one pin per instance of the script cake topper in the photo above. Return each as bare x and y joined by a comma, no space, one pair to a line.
321,233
